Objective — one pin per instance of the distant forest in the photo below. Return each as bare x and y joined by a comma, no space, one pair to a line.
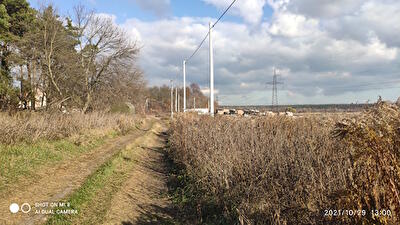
309,108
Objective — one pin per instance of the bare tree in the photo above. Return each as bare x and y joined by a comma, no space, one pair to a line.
122,84
103,46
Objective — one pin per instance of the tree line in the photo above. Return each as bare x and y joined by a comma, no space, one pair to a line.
160,98
83,61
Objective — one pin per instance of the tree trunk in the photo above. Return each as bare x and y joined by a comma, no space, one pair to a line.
88,102
21,91
32,91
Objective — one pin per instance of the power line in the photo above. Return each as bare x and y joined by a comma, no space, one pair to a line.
223,14
208,33
198,47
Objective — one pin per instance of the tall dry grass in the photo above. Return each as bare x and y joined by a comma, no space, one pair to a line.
30,127
289,171
374,178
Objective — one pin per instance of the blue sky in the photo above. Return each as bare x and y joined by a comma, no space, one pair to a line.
125,9
342,51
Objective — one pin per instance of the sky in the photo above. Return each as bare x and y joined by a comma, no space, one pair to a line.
325,52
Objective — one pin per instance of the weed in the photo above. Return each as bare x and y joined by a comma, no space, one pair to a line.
282,170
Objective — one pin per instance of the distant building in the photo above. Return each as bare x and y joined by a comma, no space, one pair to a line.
222,111
40,101
289,114
204,111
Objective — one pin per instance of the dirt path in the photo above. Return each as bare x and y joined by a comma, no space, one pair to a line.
56,183
142,198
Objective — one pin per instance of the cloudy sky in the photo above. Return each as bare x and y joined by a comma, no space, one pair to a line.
342,51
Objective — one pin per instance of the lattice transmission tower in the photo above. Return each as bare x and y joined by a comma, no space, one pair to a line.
275,84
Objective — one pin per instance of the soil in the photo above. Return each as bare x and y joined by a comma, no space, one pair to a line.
141,200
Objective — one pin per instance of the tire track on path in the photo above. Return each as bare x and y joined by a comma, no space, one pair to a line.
57,183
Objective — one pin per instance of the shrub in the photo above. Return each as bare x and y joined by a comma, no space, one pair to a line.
266,170
290,109
280,170
374,178
30,127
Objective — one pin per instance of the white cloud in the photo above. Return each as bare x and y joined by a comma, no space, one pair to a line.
321,58
250,10
293,25
324,8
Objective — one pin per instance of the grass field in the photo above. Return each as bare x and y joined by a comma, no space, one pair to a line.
115,168
94,164
31,141
282,170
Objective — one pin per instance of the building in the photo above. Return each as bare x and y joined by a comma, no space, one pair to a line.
40,101
204,111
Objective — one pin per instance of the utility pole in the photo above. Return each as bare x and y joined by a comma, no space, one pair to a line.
146,106
211,71
194,103
176,99
179,102
172,99
184,85
209,35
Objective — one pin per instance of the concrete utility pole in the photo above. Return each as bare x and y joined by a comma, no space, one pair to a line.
176,98
146,106
184,85
194,103
172,99
179,102
211,72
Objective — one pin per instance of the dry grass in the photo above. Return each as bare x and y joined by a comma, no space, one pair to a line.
288,171
31,127
374,144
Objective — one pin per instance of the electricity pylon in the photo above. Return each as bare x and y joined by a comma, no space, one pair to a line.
275,84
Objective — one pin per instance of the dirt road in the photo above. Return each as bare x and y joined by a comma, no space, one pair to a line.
134,193
142,198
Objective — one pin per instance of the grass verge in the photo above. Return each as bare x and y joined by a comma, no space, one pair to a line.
22,160
93,198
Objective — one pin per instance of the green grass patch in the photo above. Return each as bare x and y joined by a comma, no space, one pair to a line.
85,194
93,198
22,160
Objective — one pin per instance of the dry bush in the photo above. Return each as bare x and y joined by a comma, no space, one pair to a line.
30,127
374,141
262,170
288,171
